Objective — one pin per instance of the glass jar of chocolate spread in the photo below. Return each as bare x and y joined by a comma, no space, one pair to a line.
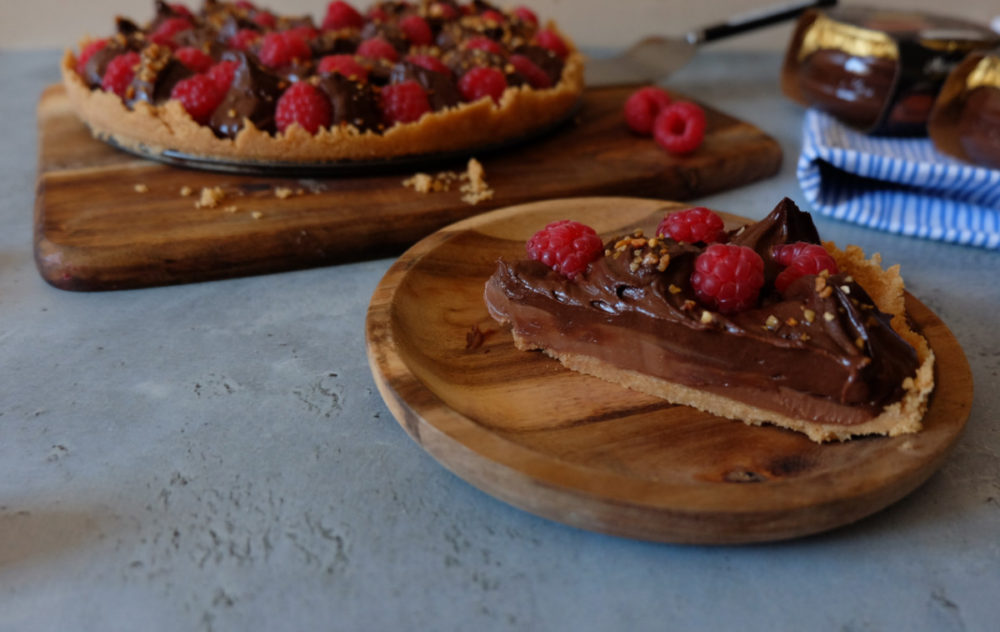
965,121
877,70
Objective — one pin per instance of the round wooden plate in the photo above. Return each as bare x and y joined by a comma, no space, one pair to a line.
594,455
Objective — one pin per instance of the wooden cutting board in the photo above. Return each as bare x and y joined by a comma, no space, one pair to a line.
592,454
106,220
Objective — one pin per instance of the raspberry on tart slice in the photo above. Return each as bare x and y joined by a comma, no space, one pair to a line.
222,73
693,225
801,258
565,246
526,14
728,277
485,44
167,31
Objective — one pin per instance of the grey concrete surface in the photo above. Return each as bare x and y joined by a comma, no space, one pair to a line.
216,457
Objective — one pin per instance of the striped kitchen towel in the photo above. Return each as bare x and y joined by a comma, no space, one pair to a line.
900,185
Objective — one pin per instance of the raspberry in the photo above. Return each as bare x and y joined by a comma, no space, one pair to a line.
378,14
728,277
245,5
340,15
549,39
565,246
482,82
119,73
680,127
304,104
88,51
283,49
377,48
168,29
535,75
642,106
429,62
306,32
484,43
443,11
222,74
526,14
265,19
800,259
181,10
404,102
492,15
416,30
346,65
199,95
692,225
243,39
195,59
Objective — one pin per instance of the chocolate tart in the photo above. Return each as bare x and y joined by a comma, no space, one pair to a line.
242,127
833,357
875,69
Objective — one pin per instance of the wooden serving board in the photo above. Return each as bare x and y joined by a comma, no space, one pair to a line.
94,231
594,455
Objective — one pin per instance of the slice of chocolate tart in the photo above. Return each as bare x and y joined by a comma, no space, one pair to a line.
764,324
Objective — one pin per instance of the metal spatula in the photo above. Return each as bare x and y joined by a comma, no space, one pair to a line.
655,58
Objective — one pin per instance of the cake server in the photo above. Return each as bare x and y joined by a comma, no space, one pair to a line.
656,57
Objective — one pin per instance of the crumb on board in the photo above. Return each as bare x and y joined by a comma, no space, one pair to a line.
283,193
256,215
473,185
210,197
232,208
141,188
186,191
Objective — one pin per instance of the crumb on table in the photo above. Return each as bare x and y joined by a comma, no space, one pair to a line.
210,197
473,185
141,188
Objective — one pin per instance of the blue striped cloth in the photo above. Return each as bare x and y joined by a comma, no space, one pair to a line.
899,185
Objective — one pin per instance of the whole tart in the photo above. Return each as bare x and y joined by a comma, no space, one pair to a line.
253,56
831,355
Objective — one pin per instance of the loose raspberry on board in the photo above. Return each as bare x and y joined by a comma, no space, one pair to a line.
680,127
642,107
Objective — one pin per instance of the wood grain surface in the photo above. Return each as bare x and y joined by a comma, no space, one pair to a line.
591,454
95,231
